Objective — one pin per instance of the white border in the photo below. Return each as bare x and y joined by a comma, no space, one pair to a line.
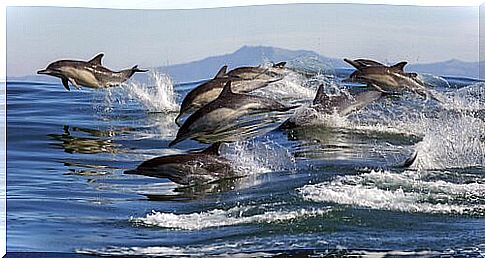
195,4
157,4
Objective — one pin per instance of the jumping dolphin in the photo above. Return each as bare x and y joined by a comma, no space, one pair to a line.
225,109
91,74
388,79
209,91
188,169
342,104
258,72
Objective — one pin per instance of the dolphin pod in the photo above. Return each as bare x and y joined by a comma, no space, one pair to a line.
222,100
91,74
244,80
226,108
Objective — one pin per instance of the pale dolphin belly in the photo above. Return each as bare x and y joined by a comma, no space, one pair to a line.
206,97
248,86
222,116
83,77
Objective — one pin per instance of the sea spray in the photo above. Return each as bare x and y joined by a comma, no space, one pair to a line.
250,157
156,96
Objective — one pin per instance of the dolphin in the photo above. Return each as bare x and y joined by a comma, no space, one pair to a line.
389,79
342,104
209,90
188,169
91,74
225,109
275,72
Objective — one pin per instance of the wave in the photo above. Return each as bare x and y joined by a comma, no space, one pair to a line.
405,192
221,218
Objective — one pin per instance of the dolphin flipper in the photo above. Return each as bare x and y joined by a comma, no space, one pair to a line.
65,82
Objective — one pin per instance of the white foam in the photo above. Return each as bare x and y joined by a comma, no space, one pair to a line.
452,143
470,98
250,157
157,96
404,192
220,218
291,87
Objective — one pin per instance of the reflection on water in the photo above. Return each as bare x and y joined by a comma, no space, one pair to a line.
71,143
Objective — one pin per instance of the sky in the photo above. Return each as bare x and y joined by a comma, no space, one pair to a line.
37,36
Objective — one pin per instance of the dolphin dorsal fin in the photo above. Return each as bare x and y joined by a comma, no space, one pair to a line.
213,149
222,72
97,59
227,90
321,97
279,65
399,66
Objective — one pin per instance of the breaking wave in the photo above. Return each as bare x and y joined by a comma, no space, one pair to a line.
406,192
221,218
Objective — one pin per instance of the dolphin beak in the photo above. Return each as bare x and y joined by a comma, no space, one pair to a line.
44,71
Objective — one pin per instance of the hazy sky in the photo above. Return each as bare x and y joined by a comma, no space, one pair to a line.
39,35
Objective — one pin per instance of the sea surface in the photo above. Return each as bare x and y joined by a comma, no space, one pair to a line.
332,187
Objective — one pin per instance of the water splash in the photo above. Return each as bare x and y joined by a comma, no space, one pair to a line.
292,87
452,142
252,157
221,218
157,96
406,192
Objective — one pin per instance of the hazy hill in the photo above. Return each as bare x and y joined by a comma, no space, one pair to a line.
206,68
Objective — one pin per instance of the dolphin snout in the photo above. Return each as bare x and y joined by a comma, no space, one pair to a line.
43,71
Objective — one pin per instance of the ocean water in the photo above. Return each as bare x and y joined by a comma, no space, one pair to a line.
333,187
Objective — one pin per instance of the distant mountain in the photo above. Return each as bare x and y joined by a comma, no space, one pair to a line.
255,55
247,55
452,67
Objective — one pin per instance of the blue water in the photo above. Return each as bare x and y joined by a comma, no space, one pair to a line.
328,188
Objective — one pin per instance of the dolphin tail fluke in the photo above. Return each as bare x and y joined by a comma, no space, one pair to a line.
279,65
135,69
